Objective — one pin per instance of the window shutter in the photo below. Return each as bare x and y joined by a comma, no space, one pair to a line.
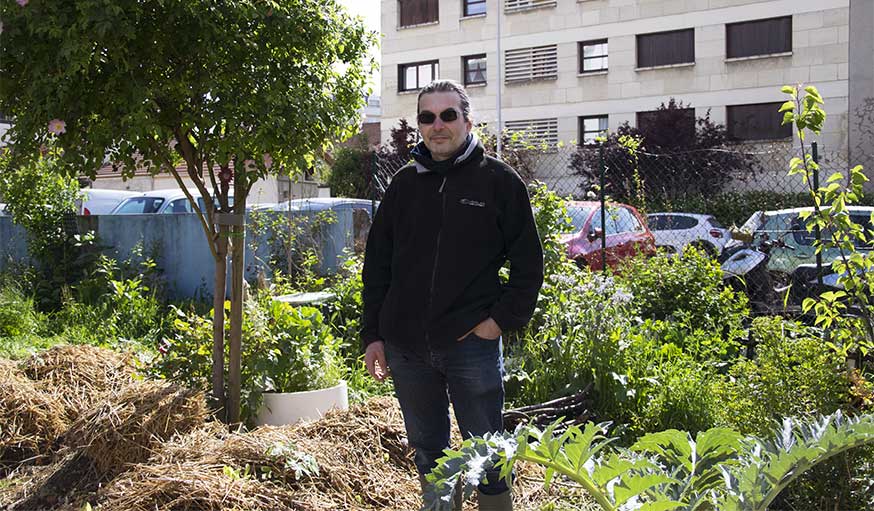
416,12
666,48
511,6
536,131
761,121
759,37
537,63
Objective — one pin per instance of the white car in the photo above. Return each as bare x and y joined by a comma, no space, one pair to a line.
100,201
675,231
171,201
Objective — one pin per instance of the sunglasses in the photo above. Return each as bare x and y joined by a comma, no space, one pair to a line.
448,115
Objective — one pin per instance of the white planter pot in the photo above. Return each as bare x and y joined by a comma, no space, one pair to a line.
278,409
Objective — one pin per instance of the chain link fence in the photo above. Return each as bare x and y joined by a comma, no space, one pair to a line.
672,201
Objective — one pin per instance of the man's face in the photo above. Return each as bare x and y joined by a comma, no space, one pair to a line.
443,138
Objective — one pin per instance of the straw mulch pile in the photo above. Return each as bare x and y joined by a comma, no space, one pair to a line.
132,421
41,396
80,374
145,446
363,463
31,418
362,456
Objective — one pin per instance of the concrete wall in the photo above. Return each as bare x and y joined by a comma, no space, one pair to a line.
862,83
179,246
820,57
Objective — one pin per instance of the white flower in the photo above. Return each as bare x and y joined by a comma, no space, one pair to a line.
56,126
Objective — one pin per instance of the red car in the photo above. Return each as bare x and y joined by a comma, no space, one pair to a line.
626,233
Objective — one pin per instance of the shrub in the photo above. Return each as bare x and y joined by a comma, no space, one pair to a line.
687,295
350,173
794,373
17,314
284,349
671,388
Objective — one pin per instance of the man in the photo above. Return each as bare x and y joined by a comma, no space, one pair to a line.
434,306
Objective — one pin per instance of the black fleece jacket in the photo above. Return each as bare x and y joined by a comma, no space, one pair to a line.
439,237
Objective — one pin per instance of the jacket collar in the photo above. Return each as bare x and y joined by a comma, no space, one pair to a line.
471,150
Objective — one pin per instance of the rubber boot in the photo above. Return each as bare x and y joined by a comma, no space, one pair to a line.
499,502
457,497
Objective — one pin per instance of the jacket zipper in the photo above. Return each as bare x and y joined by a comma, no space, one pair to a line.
436,255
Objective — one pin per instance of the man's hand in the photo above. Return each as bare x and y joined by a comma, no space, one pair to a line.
374,359
488,329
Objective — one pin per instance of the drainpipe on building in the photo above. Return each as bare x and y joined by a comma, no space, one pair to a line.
500,83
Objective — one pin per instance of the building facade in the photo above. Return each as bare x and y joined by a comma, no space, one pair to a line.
573,68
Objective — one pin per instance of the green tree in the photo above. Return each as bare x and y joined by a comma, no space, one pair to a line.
237,89
42,201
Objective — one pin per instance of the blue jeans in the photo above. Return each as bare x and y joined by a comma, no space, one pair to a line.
470,375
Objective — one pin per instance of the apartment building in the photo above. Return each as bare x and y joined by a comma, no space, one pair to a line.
573,68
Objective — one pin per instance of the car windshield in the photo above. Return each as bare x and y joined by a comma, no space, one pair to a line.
578,216
140,205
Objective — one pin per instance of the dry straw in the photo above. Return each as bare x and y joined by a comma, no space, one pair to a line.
133,421
30,420
80,374
363,458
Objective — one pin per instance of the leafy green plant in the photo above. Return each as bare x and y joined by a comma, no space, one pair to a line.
43,201
284,349
17,313
804,110
718,469
350,172
686,292
793,373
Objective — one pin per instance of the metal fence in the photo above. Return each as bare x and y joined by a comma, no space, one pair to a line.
683,199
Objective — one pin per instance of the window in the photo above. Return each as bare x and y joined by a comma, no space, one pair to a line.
592,127
474,7
578,215
179,206
417,75
619,220
474,69
139,206
761,121
418,12
593,56
526,64
535,131
666,48
759,37
626,221
670,222
524,5
681,122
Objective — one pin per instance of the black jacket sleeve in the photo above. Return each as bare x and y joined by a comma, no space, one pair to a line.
376,275
525,253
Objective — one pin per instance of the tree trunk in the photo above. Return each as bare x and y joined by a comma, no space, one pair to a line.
218,320
237,265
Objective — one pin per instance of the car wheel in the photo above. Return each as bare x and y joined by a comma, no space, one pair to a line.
582,263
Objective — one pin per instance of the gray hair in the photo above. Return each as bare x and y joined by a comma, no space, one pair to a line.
447,86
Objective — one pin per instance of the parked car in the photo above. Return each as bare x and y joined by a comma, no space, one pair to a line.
795,242
100,201
675,231
315,204
626,234
170,201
